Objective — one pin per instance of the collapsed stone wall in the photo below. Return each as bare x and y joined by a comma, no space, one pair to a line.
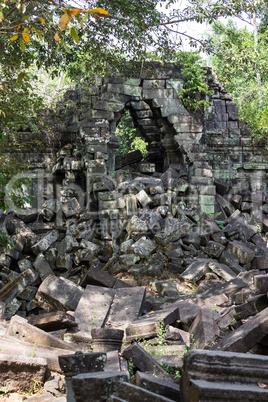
215,146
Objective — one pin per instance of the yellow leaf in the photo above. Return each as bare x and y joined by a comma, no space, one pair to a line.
100,12
3,113
42,20
64,20
56,37
73,11
25,35
14,37
17,28
74,35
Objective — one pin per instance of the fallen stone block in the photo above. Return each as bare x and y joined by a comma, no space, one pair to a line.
204,329
52,321
141,359
172,232
107,339
101,385
214,249
42,266
47,397
241,251
223,376
22,330
17,285
166,288
12,346
222,270
131,393
143,247
97,277
227,288
93,308
187,313
253,306
58,294
148,326
78,363
261,283
71,207
196,269
127,306
19,373
43,244
246,336
159,386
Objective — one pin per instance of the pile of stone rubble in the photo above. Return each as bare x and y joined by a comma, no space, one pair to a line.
65,291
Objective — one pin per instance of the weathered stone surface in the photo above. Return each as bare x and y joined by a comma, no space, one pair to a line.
142,359
172,231
52,321
45,242
96,302
261,283
166,288
241,251
131,393
71,207
222,376
20,328
196,269
101,385
227,288
143,247
17,372
97,277
58,294
214,249
204,329
127,306
42,266
246,336
157,385
223,271
17,285
79,363
13,346
147,326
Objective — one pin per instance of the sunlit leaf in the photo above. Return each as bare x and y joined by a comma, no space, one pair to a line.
22,45
25,35
64,20
42,20
74,35
23,8
14,37
73,11
100,12
3,113
17,28
1,15
57,37
262,385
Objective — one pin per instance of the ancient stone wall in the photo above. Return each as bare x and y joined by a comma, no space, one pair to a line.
218,147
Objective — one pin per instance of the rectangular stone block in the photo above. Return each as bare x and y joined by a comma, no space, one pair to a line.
147,326
246,336
223,376
58,294
125,89
163,387
130,393
18,373
261,283
52,321
19,328
142,359
204,328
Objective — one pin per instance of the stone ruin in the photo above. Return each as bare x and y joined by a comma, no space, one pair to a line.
167,253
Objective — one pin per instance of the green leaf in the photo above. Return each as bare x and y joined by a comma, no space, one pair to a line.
74,35
22,45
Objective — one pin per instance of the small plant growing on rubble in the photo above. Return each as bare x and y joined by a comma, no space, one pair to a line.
161,330
214,216
214,309
4,390
131,369
33,353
